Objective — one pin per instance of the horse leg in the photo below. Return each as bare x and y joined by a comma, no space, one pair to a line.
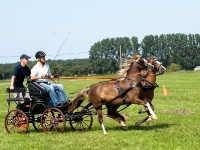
112,113
149,115
151,112
147,120
122,122
141,102
100,118
142,110
141,121
145,108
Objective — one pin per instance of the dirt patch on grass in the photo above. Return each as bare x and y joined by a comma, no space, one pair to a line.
180,112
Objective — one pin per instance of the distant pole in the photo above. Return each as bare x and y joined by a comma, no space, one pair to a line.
120,58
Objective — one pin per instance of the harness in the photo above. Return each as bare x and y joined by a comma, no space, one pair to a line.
121,93
151,86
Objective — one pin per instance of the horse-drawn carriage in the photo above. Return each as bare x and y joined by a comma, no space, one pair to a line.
133,88
35,110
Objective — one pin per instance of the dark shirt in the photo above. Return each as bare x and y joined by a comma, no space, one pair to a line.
20,73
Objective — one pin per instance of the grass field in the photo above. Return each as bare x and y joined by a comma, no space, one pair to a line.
177,127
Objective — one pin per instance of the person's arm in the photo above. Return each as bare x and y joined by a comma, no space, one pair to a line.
49,75
12,83
38,77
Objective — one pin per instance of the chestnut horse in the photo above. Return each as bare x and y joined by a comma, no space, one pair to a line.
116,93
148,85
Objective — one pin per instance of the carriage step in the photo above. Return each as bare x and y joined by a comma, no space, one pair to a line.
18,99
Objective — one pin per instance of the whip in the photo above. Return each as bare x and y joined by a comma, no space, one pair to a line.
61,48
63,43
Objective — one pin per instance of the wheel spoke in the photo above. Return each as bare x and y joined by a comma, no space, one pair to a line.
82,120
16,122
54,120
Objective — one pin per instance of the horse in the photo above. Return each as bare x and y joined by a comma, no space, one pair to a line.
113,94
148,81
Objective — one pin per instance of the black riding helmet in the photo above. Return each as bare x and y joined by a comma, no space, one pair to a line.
39,54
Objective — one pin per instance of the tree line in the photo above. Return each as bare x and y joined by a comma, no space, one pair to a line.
106,56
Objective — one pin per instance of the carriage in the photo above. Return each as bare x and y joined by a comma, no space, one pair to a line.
112,94
35,110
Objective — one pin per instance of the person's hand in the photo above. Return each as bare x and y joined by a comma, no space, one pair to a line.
56,76
43,77
12,88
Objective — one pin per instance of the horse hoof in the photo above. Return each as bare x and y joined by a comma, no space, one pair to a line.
154,117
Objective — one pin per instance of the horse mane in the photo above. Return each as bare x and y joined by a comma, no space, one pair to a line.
126,65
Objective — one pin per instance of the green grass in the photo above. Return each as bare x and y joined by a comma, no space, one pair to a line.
177,127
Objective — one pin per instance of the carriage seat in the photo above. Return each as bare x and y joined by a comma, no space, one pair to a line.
17,90
36,91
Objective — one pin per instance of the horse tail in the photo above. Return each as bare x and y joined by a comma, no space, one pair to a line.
78,99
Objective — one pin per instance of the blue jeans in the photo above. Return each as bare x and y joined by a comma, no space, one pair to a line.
56,92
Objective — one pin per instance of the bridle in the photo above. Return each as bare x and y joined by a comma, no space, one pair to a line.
138,62
147,67
160,71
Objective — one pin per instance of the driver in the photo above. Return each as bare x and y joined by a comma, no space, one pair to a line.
40,73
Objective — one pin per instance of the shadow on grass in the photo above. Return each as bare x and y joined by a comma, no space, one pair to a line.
150,127
156,127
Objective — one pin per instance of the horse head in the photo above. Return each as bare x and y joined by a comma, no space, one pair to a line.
160,69
136,66
143,64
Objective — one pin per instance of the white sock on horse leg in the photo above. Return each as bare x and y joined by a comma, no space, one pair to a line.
103,128
150,110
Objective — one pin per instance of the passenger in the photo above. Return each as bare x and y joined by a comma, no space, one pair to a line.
19,73
41,72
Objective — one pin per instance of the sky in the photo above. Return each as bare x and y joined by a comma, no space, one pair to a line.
66,29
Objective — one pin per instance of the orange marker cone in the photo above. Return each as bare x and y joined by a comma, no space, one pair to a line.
165,92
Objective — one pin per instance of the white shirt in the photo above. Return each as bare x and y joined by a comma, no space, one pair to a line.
39,71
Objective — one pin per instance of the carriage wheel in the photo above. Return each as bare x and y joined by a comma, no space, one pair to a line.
53,120
16,121
38,109
36,121
81,119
